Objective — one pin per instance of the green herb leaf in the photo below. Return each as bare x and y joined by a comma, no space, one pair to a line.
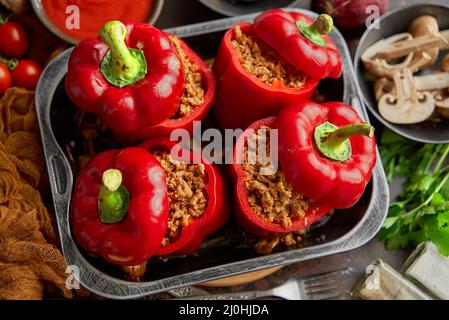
390,232
422,210
389,222
443,219
440,238
399,241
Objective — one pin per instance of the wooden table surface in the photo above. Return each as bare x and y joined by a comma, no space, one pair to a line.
357,260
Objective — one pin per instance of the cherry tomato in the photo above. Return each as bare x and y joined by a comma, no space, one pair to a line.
5,78
13,40
26,74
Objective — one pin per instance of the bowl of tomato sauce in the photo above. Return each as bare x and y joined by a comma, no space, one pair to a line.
76,20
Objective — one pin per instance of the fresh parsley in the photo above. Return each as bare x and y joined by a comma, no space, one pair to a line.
421,213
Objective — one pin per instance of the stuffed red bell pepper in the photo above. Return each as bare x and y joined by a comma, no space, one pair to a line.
197,196
257,69
301,41
266,204
196,99
139,80
120,206
326,151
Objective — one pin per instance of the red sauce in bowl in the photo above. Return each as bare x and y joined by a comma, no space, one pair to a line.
94,13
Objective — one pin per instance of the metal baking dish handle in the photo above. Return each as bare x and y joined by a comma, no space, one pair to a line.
61,182
59,170
58,165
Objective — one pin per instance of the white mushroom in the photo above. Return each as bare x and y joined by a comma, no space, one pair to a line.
441,97
423,26
445,64
444,44
433,81
442,106
419,60
441,103
382,86
436,83
404,48
381,67
407,106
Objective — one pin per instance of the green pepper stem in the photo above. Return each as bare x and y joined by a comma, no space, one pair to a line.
339,136
124,67
113,198
112,179
322,25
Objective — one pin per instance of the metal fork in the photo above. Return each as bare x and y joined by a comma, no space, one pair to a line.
319,287
185,292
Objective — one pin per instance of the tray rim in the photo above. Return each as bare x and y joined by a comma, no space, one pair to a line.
110,287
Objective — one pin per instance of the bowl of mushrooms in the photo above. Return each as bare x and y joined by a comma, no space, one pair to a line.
403,71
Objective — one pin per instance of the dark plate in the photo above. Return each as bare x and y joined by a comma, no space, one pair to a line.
392,23
224,253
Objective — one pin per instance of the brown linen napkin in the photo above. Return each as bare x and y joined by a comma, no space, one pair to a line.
30,263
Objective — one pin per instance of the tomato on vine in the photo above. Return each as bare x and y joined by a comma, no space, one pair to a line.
5,78
13,40
26,74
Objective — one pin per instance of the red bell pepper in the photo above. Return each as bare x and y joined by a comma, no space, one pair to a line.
120,206
326,151
165,127
216,213
241,97
245,215
301,41
110,76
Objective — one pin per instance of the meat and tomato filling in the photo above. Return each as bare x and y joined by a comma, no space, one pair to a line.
264,63
193,95
270,196
267,245
186,184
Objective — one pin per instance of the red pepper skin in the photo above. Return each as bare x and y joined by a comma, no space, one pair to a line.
216,213
339,184
135,239
166,127
241,97
245,215
278,29
145,103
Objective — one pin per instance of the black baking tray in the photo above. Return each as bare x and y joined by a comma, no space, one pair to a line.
224,253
